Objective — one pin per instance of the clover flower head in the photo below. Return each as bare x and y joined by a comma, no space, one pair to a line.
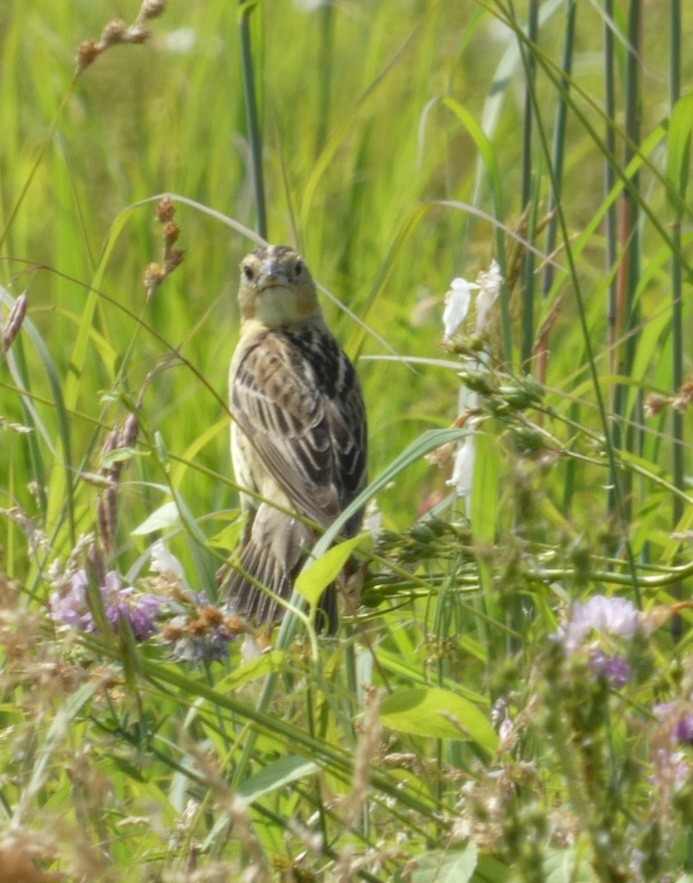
602,615
593,626
71,608
139,610
124,603
615,669
683,731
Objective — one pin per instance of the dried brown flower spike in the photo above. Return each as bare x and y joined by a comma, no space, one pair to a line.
156,272
117,33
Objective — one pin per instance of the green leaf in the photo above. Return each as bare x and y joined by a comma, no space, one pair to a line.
571,865
251,671
161,519
443,866
437,713
276,775
680,144
119,455
314,578
490,870
484,512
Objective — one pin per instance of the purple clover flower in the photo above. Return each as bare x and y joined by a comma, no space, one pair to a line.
683,731
120,603
590,623
615,669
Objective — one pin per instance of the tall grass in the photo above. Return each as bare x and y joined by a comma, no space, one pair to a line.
444,734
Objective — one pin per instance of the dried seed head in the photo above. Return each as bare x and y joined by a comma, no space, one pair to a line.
684,396
14,322
154,275
171,233
111,442
165,209
87,53
113,33
107,517
173,259
127,437
655,404
136,34
152,9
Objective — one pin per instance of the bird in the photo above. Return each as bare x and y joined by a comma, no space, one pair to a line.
298,434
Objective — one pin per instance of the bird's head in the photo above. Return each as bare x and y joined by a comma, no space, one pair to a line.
276,287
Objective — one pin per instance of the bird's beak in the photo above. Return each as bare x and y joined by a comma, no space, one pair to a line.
272,274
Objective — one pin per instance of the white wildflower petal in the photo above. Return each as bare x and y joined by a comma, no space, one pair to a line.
373,520
162,561
489,283
463,470
250,650
457,302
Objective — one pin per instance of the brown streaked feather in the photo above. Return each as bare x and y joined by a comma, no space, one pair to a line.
312,443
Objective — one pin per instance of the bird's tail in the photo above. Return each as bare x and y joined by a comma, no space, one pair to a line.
270,559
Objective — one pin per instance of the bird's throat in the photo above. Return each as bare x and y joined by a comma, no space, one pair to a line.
277,306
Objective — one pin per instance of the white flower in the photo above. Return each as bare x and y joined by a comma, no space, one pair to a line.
162,561
463,470
489,283
459,299
615,616
457,302
180,41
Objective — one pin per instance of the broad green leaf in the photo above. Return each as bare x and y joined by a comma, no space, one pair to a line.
447,866
276,775
228,537
490,870
320,573
439,714
571,865
161,519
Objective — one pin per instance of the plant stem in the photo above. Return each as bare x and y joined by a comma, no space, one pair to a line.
254,130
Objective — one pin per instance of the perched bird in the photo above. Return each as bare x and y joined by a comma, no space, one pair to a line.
298,437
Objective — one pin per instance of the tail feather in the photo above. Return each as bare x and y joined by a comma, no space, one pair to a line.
272,556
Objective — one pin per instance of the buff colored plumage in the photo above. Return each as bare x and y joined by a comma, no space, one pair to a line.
298,438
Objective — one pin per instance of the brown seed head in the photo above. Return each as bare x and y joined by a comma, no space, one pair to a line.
87,53
174,258
127,437
113,33
165,209
152,9
171,233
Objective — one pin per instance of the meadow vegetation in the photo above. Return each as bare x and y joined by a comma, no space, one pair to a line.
510,694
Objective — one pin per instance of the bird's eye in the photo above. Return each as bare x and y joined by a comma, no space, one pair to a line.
298,268
249,273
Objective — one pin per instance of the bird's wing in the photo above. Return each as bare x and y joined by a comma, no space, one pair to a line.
306,440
